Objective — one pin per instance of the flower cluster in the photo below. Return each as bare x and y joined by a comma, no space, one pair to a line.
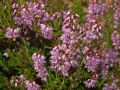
39,61
100,59
110,60
93,58
95,9
91,83
116,16
31,13
47,32
92,28
12,33
112,86
89,38
62,58
65,55
70,29
29,85
116,40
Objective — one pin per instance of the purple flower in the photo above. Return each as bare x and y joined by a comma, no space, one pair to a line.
31,85
47,32
112,86
30,14
12,33
116,40
117,17
58,59
92,63
91,31
96,8
18,20
64,56
91,83
39,61
85,49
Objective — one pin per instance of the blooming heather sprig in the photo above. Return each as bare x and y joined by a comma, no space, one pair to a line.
92,63
69,28
117,17
93,60
57,61
65,55
91,83
47,32
112,86
91,31
99,59
31,13
112,56
63,58
115,37
93,27
110,60
12,33
96,7
39,61
29,85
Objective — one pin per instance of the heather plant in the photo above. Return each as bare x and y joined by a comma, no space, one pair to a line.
59,45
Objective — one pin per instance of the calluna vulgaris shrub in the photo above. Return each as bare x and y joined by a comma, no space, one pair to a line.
76,47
